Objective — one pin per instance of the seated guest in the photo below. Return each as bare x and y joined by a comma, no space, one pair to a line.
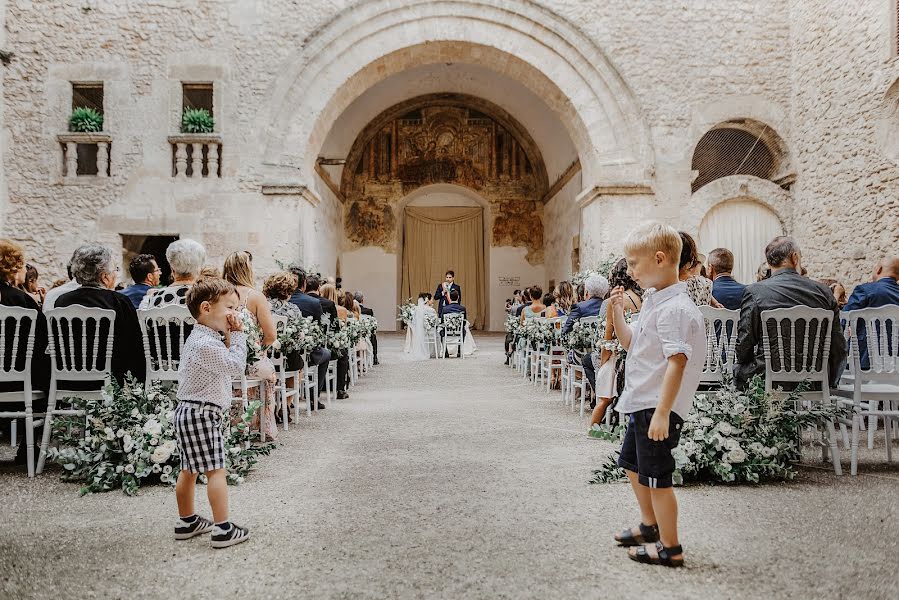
186,257
145,273
31,286
698,288
371,313
329,307
536,306
549,301
278,288
95,270
12,274
310,306
329,294
595,289
883,290
725,289
525,300
58,290
785,288
763,272
837,289
454,307
564,299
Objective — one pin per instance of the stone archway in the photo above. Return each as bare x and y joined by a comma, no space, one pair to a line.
513,37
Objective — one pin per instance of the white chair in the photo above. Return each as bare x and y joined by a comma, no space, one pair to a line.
331,373
285,393
164,331
453,333
554,358
15,367
873,391
433,337
80,351
798,352
310,387
721,335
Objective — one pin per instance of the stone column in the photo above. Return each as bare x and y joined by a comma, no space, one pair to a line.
196,162
212,160
71,160
102,159
180,160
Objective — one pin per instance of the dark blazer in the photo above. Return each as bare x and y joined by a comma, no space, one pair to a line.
40,361
127,343
366,311
441,299
135,293
328,308
728,291
588,308
784,289
453,308
308,305
883,292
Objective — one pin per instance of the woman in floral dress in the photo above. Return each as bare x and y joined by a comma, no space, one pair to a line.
238,270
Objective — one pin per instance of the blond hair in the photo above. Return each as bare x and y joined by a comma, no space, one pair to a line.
329,291
655,237
238,269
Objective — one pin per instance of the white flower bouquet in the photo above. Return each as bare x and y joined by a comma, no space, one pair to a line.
255,349
735,436
604,268
431,322
513,325
450,321
340,341
406,310
583,336
311,334
129,439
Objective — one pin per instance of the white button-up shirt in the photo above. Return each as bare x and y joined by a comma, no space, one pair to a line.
207,366
668,324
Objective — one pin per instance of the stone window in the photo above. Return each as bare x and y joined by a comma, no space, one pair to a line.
86,153
729,151
87,95
197,95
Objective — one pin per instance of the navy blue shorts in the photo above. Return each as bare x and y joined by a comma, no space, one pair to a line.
650,460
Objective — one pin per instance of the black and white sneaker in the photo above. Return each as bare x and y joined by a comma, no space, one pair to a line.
222,538
185,530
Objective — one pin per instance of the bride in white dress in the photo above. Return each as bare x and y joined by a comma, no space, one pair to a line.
417,347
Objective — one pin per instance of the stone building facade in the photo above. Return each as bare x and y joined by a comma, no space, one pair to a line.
608,113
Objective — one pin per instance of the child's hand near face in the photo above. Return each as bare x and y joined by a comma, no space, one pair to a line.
616,299
234,322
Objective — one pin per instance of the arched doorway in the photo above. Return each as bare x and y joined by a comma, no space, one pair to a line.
744,227
445,227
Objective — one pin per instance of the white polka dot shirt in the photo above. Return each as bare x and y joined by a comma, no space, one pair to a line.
207,366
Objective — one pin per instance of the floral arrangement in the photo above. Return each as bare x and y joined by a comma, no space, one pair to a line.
539,332
604,268
291,337
312,334
407,311
583,336
734,436
451,321
340,340
368,325
129,439
514,325
255,349
431,322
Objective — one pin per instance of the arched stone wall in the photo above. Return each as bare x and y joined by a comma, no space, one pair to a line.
737,187
516,38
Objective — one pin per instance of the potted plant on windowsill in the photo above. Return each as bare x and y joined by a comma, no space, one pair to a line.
197,121
85,120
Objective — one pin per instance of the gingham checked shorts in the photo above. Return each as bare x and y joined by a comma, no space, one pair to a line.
198,430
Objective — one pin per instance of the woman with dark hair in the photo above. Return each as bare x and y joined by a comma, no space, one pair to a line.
698,288
536,306
838,291
31,286
606,363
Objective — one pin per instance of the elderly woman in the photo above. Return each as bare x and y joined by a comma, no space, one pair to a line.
12,274
186,258
95,270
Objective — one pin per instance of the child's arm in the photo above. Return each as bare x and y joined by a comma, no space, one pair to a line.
230,360
622,329
658,426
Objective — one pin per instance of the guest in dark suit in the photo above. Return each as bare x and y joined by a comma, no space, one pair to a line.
883,290
444,289
145,273
367,311
454,307
785,288
595,287
311,306
12,274
725,289
329,307
94,268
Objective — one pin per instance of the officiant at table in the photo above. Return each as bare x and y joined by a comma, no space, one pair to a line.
442,295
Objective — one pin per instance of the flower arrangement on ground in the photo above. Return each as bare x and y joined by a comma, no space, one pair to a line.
734,436
129,440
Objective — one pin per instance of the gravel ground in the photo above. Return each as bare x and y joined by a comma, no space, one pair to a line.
450,479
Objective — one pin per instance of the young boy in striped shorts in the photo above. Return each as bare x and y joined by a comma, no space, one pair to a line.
215,351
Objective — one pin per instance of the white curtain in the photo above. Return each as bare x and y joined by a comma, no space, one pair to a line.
744,227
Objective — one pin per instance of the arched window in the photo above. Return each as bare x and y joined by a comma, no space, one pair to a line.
744,227
726,151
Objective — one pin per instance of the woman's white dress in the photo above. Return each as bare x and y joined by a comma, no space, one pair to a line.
417,335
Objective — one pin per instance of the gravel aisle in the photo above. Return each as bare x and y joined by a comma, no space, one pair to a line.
449,479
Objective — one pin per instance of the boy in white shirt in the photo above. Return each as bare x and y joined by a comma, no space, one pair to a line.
215,351
665,353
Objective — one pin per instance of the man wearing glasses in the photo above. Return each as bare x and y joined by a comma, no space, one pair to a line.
145,273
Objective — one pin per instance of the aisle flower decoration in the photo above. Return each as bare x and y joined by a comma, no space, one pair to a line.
339,341
407,311
255,349
431,322
311,334
583,336
129,440
514,325
450,321
733,436
604,268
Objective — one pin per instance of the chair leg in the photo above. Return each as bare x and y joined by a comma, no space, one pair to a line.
48,426
845,433
872,428
29,441
13,433
888,433
834,451
853,456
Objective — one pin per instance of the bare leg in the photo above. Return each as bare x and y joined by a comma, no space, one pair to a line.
644,499
664,505
599,412
217,492
184,492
